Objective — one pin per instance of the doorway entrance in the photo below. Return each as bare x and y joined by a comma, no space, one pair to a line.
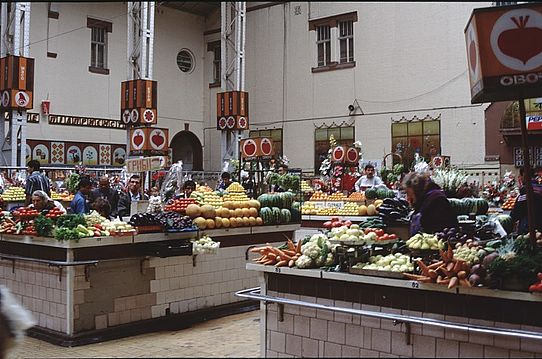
186,147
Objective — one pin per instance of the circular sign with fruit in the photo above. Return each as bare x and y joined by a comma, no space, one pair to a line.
231,122
157,139
243,123
352,155
472,52
134,116
138,139
22,98
126,116
337,155
266,146
508,39
222,123
249,148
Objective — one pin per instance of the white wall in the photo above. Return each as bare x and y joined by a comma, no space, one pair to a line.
73,90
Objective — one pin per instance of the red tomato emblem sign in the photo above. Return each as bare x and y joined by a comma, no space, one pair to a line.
250,148
337,155
266,146
352,155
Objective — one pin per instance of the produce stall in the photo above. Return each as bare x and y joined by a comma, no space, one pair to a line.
349,291
86,278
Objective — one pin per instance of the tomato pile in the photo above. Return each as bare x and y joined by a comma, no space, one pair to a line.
25,213
336,222
179,205
54,213
381,235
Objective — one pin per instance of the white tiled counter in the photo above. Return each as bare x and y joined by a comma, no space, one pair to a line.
118,287
297,331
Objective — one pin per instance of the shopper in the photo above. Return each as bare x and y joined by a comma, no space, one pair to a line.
368,180
519,213
432,211
41,201
105,191
224,182
133,194
35,181
80,202
102,206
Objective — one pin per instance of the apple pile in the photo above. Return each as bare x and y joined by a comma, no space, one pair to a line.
336,222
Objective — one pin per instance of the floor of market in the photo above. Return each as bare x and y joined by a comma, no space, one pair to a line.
232,336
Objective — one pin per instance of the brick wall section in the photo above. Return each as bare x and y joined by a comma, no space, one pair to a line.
182,287
37,287
307,332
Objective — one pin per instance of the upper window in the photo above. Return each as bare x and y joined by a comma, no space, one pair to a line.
334,41
98,45
215,48
185,60
346,41
323,42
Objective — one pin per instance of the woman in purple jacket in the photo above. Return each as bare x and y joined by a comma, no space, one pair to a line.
432,211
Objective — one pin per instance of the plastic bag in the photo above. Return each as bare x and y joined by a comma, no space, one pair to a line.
173,182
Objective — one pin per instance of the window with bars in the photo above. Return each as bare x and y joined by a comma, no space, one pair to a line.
323,42
98,48
343,135
99,30
215,48
274,134
409,138
346,41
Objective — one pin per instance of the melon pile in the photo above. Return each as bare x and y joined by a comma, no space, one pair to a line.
231,215
279,208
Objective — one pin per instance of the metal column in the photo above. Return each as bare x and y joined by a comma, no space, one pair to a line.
233,16
15,40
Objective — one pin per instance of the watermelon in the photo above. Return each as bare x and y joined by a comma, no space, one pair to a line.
267,215
264,200
483,206
296,211
285,216
275,213
286,199
370,193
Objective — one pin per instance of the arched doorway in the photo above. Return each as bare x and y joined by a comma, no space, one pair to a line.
186,147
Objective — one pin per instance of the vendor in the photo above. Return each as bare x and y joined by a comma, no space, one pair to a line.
432,210
282,171
133,194
224,182
105,191
80,203
188,187
519,212
41,201
103,207
369,180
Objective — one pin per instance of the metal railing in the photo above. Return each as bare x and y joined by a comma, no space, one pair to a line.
254,293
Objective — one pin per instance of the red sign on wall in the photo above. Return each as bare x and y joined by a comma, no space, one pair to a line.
504,52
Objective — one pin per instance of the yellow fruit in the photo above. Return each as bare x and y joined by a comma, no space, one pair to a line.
210,223
252,221
225,222
218,222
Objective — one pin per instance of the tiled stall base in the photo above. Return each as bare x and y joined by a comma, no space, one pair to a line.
306,332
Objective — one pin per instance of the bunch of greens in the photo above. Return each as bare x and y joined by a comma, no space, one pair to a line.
450,180
290,182
43,225
72,183
70,221
66,234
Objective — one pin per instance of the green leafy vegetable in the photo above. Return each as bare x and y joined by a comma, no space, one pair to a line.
71,221
43,225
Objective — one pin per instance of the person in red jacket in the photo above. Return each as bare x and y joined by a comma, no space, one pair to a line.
432,210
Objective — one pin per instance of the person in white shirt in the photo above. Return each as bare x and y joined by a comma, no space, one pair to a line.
41,201
368,180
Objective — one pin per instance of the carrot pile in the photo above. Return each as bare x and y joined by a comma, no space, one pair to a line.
278,257
448,271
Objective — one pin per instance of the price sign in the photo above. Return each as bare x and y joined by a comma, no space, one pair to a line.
145,164
318,204
337,204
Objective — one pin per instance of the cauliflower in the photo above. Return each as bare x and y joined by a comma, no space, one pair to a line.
304,262
329,259
311,249
320,261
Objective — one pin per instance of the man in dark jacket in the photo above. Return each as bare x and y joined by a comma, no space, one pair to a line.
519,212
105,191
133,194
432,210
